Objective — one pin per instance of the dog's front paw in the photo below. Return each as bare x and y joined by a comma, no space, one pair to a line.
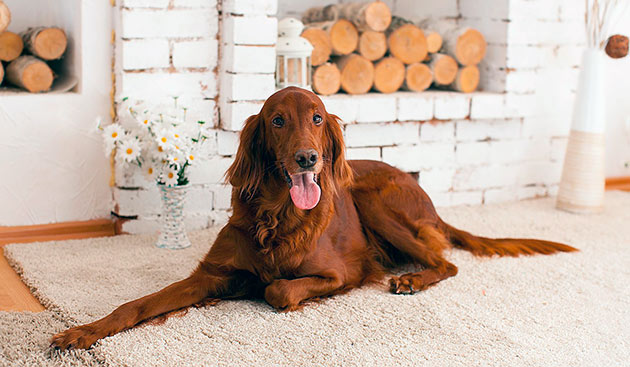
80,337
407,284
279,294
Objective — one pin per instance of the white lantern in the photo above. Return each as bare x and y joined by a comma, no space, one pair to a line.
293,63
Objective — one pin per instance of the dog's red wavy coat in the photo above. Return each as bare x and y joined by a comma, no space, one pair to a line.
370,217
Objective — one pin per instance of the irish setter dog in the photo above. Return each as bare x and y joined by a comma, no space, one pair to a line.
307,223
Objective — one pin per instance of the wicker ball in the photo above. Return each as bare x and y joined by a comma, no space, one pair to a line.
617,46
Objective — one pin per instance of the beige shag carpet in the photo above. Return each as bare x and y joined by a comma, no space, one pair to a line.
562,310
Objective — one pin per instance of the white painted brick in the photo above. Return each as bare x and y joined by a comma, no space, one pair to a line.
219,217
195,54
546,32
492,79
437,179
437,9
487,106
472,153
500,195
558,149
550,57
243,87
467,130
234,114
150,85
254,30
451,106
210,171
145,3
483,177
521,105
521,81
512,151
536,9
346,107
159,23
250,59
199,198
418,157
437,131
227,142
130,177
222,196
151,224
251,7
376,108
493,9
137,202
195,3
529,192
552,190
371,135
440,199
466,198
415,106
496,56
544,172
572,10
364,153
546,127
145,54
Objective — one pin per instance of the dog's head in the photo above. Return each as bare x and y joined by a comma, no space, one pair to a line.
292,140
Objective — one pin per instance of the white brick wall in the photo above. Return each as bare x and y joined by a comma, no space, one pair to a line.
505,142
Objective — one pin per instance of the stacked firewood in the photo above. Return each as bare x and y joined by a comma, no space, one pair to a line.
24,56
358,47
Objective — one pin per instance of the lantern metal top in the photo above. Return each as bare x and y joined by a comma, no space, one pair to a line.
289,41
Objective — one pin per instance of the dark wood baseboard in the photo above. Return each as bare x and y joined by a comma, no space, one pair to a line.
618,183
57,231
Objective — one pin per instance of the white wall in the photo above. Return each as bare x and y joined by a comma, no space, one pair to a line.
618,109
53,166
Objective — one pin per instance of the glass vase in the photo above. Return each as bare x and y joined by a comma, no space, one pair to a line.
173,232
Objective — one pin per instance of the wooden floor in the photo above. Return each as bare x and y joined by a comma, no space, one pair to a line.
14,295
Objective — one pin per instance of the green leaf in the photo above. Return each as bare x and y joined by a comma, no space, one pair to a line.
125,99
201,122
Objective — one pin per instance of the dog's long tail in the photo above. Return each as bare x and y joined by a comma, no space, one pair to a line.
482,246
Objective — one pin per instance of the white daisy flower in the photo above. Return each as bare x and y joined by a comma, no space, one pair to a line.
165,139
177,158
191,159
113,133
129,149
170,176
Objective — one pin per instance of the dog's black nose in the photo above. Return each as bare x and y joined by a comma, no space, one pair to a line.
306,158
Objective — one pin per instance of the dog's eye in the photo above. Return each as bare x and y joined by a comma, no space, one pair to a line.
278,121
317,119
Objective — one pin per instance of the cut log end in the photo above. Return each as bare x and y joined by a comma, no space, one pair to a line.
418,77
408,44
434,41
470,47
326,79
45,43
357,74
5,17
467,79
372,45
389,75
30,73
444,69
11,46
378,16
344,37
1,73
322,47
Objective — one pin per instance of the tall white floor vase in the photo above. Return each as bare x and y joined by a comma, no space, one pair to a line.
583,176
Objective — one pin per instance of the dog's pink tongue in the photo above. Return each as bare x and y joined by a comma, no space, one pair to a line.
305,193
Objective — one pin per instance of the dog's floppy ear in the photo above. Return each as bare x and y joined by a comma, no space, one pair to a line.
342,173
246,173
